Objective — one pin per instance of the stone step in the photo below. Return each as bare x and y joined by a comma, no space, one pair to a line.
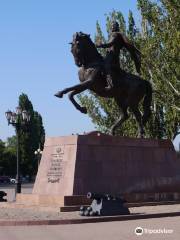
76,200
73,208
72,203
129,205
34,199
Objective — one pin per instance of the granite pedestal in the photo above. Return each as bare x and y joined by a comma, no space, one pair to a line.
74,165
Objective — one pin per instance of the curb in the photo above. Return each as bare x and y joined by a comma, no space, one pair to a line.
87,220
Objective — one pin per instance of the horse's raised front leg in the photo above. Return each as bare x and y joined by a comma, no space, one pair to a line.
78,87
76,90
77,106
66,90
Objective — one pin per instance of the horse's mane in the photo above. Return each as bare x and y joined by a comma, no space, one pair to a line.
90,45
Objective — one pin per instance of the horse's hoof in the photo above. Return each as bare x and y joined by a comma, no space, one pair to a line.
84,110
59,94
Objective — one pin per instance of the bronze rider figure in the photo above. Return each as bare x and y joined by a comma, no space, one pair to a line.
116,43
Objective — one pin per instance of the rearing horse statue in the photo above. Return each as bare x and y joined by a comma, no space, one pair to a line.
129,91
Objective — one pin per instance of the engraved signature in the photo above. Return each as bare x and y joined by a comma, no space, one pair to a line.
50,180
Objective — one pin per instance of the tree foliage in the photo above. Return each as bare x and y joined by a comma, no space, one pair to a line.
7,159
31,136
158,39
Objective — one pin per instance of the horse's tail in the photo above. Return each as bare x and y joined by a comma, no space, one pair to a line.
147,103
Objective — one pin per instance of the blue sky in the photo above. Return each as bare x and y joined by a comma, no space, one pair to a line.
35,56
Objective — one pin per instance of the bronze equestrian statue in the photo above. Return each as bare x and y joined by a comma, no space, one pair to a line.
127,89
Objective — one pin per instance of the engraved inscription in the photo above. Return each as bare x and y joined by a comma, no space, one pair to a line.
55,172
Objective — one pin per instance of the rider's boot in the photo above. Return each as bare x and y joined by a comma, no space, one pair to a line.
109,82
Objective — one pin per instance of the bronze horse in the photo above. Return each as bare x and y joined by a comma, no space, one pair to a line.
128,92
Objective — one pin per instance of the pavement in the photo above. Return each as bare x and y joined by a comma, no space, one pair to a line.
164,228
153,230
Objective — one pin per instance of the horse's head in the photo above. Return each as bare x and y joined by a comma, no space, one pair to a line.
83,49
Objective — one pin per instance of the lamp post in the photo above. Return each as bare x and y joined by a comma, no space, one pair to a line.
38,153
18,119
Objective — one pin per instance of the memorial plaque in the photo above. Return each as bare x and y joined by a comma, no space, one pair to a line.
55,172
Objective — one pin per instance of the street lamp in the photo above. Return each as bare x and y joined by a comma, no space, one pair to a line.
18,119
38,153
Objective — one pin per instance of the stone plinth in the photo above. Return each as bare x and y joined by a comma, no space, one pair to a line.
77,164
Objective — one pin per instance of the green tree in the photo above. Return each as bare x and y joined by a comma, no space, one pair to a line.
11,142
30,137
7,160
2,148
158,39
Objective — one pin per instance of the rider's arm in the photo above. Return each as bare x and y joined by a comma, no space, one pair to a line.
106,45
